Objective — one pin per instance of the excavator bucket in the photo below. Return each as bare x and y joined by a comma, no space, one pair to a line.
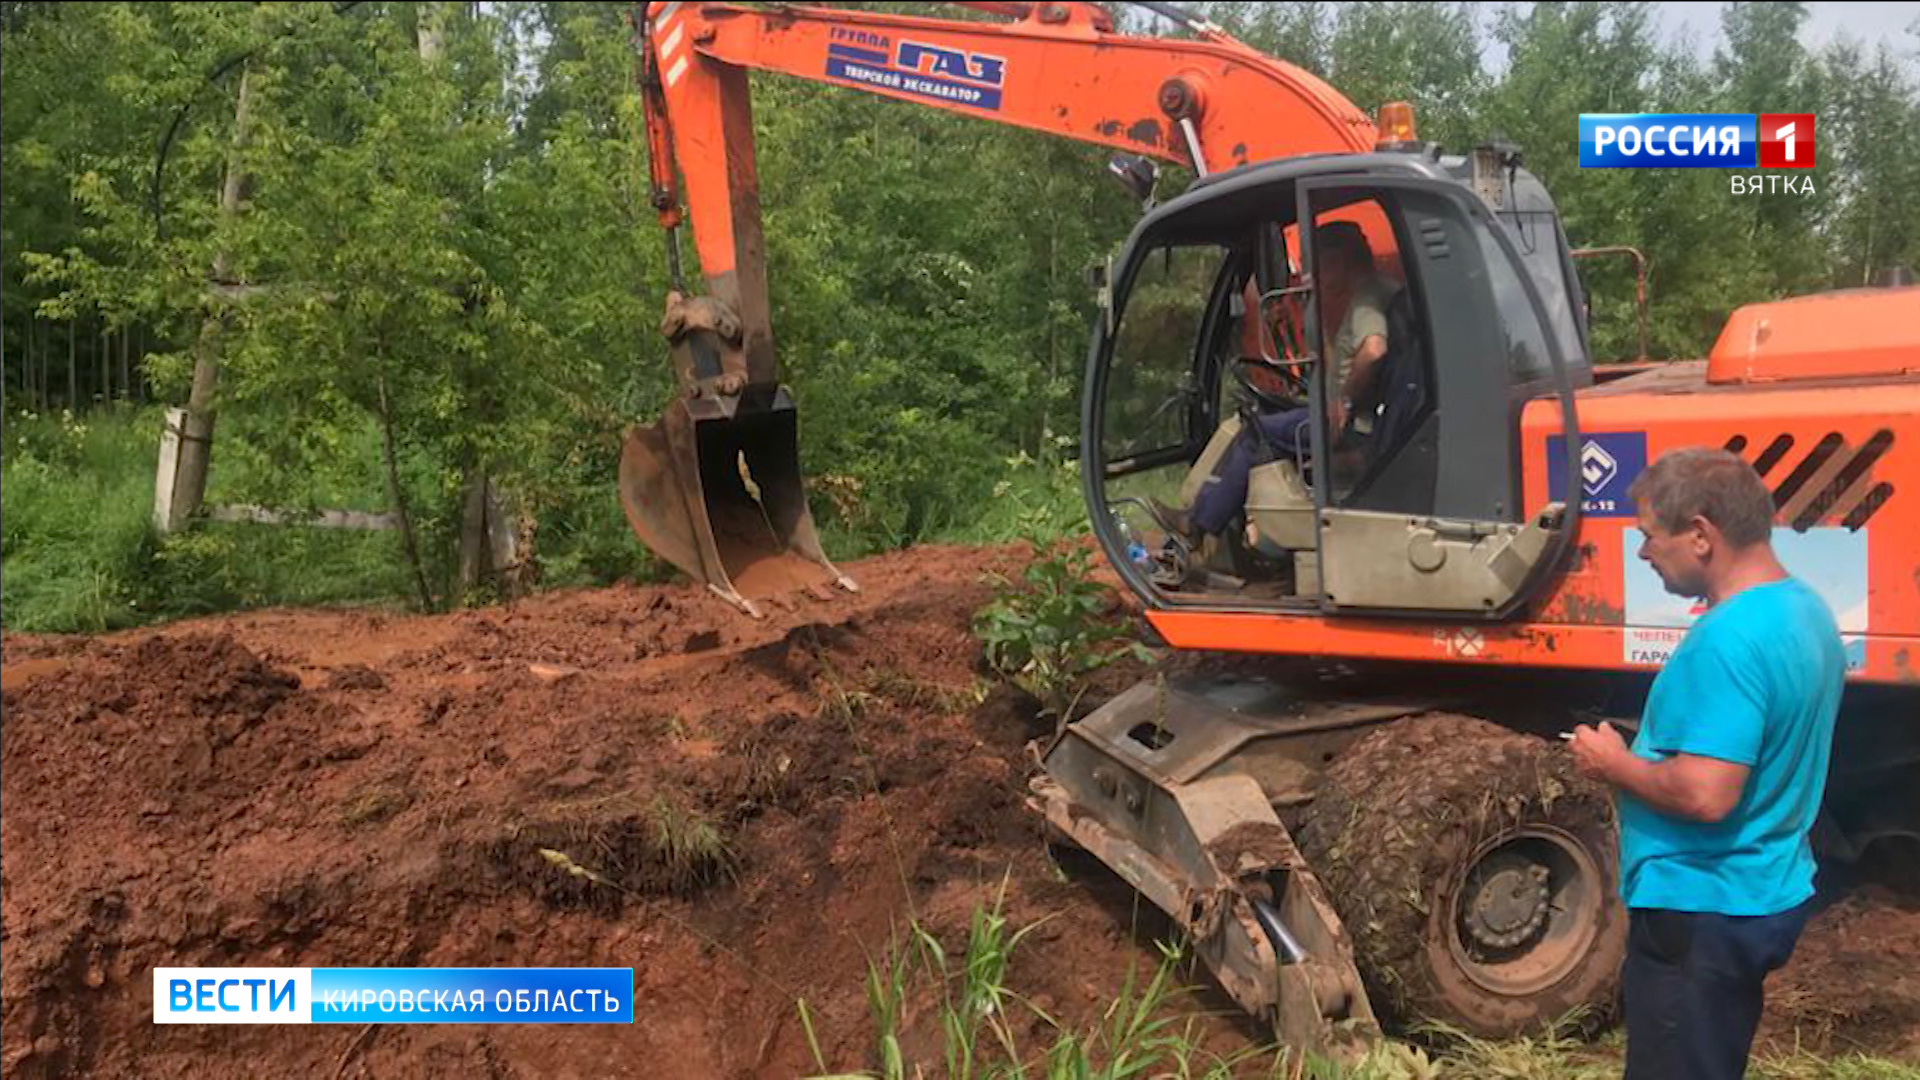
715,489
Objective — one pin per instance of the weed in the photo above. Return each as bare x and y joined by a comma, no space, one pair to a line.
661,844
372,806
813,1039
1053,628
1139,1035
904,689
1802,1064
844,705
887,984
1032,499
688,844
976,1016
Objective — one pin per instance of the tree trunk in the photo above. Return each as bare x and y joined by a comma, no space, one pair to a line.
432,33
481,528
397,499
473,531
1045,454
73,365
126,364
31,385
37,341
475,564
196,436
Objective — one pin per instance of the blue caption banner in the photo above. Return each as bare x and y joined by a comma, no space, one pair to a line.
1668,141
393,995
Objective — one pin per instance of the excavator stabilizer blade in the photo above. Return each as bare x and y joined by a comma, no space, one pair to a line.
715,489
1174,789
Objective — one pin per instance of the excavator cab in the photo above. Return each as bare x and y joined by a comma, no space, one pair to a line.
1316,502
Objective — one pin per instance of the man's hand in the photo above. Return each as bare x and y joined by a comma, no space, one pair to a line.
1686,786
1597,750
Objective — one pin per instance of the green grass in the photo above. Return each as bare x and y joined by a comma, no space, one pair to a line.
78,552
979,1016
1144,1032
1031,500
74,532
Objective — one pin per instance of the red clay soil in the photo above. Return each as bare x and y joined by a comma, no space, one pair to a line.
355,789
334,789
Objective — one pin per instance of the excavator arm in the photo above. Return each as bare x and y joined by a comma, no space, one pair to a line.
715,487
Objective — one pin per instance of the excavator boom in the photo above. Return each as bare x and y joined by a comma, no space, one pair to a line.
715,487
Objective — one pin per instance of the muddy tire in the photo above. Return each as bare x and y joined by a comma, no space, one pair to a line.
1477,874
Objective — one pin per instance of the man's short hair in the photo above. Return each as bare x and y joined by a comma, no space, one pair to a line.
1345,238
1712,484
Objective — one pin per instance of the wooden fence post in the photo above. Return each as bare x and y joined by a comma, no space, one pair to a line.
163,477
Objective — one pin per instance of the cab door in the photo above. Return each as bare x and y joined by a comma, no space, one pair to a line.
1418,492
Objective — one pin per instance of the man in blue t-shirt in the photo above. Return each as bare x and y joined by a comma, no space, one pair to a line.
1719,791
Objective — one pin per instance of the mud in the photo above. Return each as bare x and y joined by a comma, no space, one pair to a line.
1854,981
773,801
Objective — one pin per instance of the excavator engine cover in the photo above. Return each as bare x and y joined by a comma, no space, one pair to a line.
715,489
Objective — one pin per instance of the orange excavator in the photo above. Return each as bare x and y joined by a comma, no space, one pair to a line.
1436,577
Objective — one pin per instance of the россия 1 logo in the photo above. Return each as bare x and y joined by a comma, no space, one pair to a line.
1704,141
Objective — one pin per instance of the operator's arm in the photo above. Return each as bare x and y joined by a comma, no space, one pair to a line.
1365,327
1360,369
1689,786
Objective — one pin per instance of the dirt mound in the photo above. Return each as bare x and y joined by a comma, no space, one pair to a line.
745,812
1854,981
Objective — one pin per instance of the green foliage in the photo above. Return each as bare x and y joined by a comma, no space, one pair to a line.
226,567
1031,499
1054,627
74,532
1146,1032
78,551
467,239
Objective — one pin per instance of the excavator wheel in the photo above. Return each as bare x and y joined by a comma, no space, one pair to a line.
1477,874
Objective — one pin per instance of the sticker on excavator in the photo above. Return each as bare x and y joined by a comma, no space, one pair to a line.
1609,464
1832,561
934,72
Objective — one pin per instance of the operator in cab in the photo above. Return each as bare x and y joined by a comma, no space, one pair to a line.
1352,292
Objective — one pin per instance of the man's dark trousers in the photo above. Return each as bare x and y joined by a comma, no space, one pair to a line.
1226,492
1693,988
